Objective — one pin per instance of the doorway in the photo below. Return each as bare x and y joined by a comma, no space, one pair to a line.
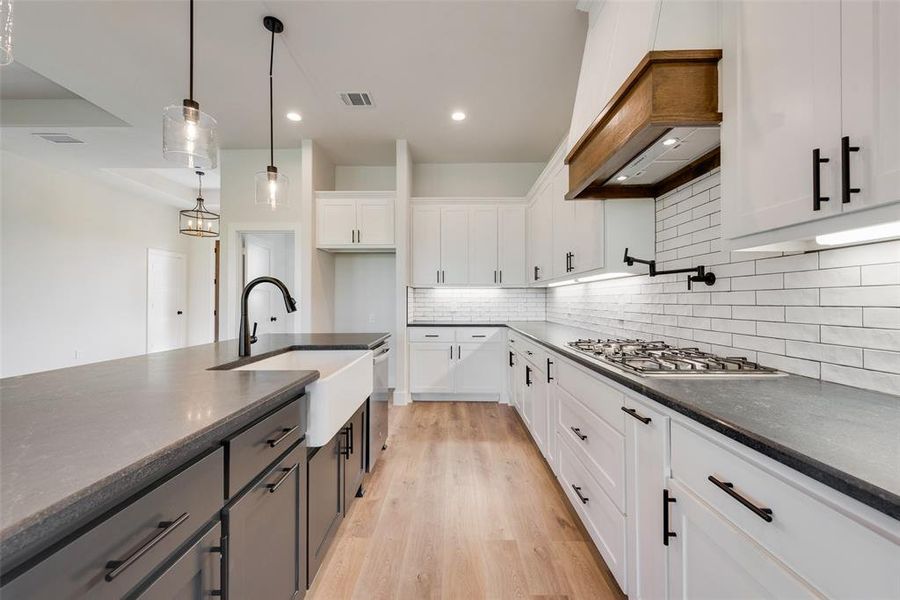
268,253
166,300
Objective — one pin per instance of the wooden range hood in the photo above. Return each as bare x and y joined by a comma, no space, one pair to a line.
668,89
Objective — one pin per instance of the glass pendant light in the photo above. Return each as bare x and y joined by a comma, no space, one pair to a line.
272,186
6,26
189,134
198,221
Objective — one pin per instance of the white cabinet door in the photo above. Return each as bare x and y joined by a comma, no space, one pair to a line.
590,235
336,222
478,368
426,245
646,465
375,221
510,358
454,245
482,250
541,235
511,245
781,83
870,82
540,412
563,223
526,378
431,368
709,559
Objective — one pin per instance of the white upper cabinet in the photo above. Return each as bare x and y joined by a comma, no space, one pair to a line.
483,246
782,95
540,235
870,46
460,244
511,245
425,256
355,221
811,117
563,224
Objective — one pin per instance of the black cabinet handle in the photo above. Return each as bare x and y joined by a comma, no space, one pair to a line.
352,236
501,276
437,277
667,499
350,439
479,336
495,276
432,335
527,375
458,352
817,179
635,414
451,351
578,493
273,319
443,276
535,272
344,449
846,149
358,236
726,486
511,359
549,363
273,487
285,433
577,432
529,352
117,567
179,312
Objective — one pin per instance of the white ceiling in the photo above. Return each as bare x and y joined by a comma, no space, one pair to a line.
512,66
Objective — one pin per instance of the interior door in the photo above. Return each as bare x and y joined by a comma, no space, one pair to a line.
482,252
336,222
166,300
781,80
375,221
426,245
454,245
511,245
870,82
261,303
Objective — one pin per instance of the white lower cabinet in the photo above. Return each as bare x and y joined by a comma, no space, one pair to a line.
477,368
431,367
448,360
536,401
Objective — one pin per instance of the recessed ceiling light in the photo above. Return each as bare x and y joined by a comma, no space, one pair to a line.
670,141
294,116
621,178
458,116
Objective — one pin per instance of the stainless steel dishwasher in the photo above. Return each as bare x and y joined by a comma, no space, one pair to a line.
379,406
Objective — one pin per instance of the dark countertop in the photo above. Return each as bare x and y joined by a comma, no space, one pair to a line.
847,438
75,442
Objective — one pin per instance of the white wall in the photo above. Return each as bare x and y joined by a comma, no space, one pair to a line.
74,267
474,179
365,178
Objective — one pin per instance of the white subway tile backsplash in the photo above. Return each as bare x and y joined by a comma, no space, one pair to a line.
833,314
475,304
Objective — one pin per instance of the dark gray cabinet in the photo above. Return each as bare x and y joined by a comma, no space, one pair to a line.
354,456
325,500
265,534
195,575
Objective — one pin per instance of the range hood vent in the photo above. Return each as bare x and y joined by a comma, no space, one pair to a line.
659,130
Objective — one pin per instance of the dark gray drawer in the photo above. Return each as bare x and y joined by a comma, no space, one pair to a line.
196,575
256,447
113,557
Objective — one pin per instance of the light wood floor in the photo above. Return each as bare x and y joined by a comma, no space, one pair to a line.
461,506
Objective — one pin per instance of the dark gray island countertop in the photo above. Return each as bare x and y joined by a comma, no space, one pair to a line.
844,437
75,442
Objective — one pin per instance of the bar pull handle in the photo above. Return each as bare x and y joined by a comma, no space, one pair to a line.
286,432
495,276
817,179
437,277
443,276
536,269
511,363
479,336
667,499
635,414
117,567
577,432
549,364
846,149
579,494
431,335
501,276
527,375
726,486
358,236
286,472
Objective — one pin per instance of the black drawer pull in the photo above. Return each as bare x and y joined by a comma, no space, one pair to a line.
511,363
549,364
846,149
578,493
635,414
666,533
726,486
478,336
344,449
117,567
817,179
529,352
527,375
432,335
273,487
577,432
285,434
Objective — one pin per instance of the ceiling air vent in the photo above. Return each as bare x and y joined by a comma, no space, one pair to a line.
59,138
362,99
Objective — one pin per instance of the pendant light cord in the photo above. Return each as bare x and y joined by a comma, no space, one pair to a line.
191,76
271,105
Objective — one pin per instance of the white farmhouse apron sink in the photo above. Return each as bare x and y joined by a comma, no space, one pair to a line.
344,383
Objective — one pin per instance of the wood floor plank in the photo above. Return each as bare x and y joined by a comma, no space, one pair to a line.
461,506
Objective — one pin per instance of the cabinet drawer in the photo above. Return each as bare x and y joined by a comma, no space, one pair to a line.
432,334
254,448
112,558
602,399
479,334
534,353
818,542
600,516
598,445
199,568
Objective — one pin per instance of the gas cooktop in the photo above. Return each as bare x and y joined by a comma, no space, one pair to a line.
658,359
